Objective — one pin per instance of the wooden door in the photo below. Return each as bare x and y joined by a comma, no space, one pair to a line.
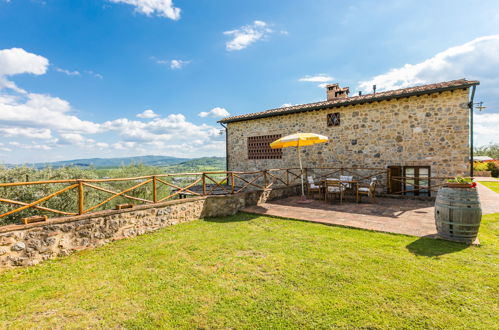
395,184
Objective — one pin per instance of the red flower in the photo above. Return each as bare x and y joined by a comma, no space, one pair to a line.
473,184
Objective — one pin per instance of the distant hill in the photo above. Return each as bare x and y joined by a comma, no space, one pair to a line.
113,162
204,164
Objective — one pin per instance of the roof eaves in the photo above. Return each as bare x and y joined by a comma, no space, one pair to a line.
353,101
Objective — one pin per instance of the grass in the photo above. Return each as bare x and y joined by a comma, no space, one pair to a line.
493,185
247,271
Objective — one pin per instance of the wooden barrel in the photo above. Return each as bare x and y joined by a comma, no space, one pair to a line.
458,213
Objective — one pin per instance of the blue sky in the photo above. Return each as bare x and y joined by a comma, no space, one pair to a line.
105,78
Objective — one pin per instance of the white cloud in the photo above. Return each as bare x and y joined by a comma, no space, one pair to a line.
94,74
164,8
177,64
217,112
71,138
18,61
124,145
28,132
42,111
147,114
485,128
476,59
322,78
102,145
68,72
31,146
174,127
173,64
246,35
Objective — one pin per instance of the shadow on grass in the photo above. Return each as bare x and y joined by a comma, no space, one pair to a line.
431,247
238,217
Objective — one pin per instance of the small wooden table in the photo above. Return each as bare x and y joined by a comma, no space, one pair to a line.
353,183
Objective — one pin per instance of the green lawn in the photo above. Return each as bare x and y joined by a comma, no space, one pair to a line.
247,271
494,185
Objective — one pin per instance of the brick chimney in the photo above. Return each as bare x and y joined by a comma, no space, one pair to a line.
334,91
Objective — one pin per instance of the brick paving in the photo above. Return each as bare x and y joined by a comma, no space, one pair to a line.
401,216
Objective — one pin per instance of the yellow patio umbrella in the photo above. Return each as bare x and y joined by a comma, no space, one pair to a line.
299,140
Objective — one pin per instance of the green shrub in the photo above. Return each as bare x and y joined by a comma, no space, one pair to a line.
493,168
459,179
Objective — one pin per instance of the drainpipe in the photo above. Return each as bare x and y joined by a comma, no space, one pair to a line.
470,105
226,146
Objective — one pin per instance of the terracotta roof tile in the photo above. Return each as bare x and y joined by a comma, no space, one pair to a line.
404,92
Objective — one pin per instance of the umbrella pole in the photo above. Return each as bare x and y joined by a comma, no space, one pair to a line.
301,172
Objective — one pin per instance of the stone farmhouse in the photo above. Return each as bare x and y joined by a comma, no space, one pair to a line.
418,132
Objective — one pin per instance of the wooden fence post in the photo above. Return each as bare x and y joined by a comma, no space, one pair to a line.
204,184
154,190
287,177
81,197
265,179
232,183
388,181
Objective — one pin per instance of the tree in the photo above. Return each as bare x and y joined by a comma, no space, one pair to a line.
492,150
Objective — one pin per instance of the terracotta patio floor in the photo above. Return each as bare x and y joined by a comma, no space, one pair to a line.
401,216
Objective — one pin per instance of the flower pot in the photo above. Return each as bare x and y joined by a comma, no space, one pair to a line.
458,185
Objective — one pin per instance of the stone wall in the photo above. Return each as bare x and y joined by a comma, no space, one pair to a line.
429,130
25,245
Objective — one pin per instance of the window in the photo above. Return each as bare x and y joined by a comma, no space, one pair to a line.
333,119
259,147
410,180
416,180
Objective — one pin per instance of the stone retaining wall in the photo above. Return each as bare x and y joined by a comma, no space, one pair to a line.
25,245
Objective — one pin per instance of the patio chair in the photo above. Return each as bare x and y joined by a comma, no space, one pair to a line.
346,178
348,186
334,187
368,189
312,188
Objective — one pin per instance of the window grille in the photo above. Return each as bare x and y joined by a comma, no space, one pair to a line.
333,119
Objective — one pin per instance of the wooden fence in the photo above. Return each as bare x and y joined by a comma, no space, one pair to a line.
162,187
191,184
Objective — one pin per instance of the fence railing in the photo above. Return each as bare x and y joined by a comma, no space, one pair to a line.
140,190
417,186
81,196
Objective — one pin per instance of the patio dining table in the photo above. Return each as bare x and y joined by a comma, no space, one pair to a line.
354,184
